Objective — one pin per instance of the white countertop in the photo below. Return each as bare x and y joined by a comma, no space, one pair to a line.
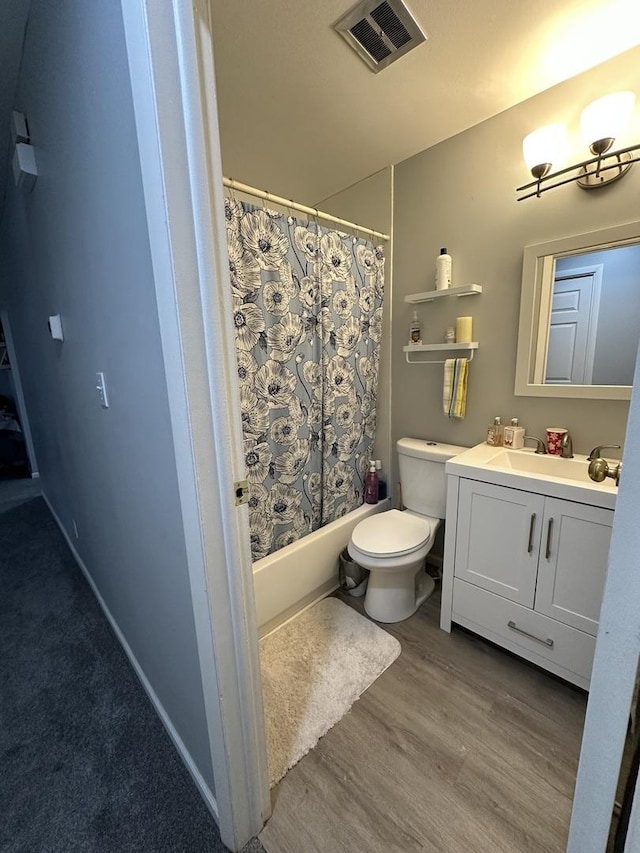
567,479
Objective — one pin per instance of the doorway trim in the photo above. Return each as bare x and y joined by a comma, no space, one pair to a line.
615,664
20,401
173,85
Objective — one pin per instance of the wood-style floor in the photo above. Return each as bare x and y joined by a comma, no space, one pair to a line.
458,746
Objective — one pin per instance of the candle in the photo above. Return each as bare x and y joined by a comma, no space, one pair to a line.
464,326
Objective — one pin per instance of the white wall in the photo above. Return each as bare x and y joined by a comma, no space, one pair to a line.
78,245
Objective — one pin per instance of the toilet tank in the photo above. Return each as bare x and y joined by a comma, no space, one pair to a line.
424,485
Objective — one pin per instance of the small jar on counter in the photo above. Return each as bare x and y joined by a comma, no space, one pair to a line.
514,435
495,433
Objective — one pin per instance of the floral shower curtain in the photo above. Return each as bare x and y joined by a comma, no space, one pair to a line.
308,320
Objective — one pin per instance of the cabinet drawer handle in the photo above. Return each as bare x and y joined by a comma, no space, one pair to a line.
531,526
511,624
548,548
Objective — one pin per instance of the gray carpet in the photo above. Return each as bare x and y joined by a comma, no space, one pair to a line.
14,492
85,763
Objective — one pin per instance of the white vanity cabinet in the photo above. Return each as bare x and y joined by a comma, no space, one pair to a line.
526,571
497,539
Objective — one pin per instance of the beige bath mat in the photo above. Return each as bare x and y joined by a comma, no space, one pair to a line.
313,670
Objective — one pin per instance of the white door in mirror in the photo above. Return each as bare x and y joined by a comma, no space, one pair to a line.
572,327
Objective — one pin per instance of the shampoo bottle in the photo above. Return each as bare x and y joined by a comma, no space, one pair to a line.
415,330
514,435
495,433
371,484
443,270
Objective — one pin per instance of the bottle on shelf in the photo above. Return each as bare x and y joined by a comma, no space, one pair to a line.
415,330
513,435
495,433
371,484
443,270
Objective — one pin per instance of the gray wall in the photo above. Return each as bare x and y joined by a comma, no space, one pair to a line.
13,18
460,194
369,203
78,245
619,314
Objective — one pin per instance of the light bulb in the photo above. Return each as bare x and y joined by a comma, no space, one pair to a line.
543,147
604,120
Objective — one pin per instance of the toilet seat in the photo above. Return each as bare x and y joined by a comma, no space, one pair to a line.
393,534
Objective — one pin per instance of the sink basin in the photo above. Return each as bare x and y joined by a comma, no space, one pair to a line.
542,464
534,472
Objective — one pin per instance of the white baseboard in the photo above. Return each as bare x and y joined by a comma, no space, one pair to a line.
201,785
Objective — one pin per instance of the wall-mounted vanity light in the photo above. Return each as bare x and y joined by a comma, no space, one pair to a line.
601,123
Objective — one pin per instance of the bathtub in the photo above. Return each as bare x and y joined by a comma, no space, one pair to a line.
298,575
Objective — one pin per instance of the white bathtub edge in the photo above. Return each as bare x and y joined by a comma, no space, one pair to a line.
298,608
283,588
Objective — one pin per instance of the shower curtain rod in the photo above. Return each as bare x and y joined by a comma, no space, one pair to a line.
311,211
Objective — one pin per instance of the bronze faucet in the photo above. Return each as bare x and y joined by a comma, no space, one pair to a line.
566,446
597,451
541,447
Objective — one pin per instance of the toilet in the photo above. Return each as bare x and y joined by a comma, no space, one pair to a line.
393,545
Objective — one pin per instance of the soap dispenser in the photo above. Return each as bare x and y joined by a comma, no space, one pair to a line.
415,330
382,483
513,436
495,433
371,484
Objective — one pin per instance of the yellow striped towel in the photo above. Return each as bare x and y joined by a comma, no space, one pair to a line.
454,393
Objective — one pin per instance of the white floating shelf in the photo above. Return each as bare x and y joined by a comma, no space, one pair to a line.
430,295
440,347
461,347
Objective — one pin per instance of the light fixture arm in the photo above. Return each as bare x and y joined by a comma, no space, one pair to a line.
601,146
544,182
601,122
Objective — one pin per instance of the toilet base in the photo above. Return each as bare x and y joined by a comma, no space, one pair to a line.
393,596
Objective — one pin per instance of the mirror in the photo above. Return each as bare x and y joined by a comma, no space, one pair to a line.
580,316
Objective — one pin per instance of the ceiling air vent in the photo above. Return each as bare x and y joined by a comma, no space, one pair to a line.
379,32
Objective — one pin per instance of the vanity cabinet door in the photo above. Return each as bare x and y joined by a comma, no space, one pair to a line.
573,563
498,539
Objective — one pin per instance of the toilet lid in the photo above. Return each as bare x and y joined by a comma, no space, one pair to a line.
392,533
